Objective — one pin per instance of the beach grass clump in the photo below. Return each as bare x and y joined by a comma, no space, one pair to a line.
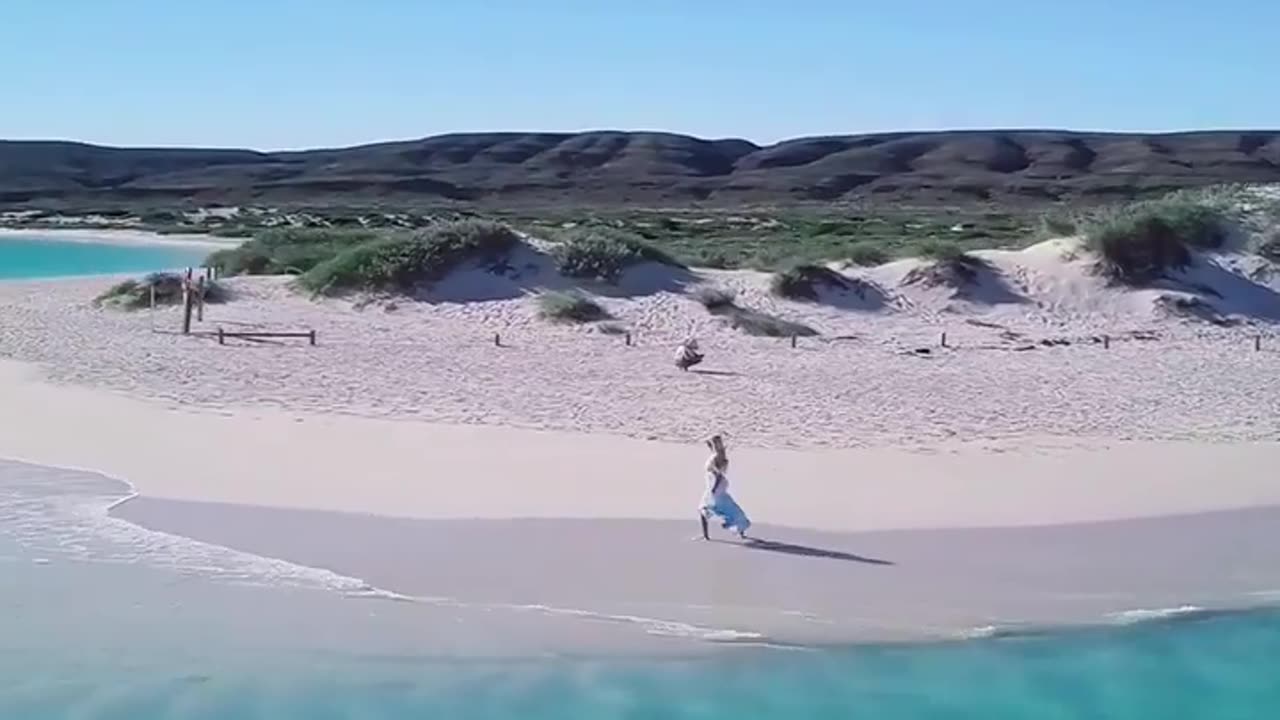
950,264
715,298
867,254
570,307
402,263
287,251
597,253
1269,247
720,302
136,294
1138,243
806,282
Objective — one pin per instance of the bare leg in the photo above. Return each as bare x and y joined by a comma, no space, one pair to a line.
703,519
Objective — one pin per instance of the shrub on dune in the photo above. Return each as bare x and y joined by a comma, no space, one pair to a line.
570,307
1269,248
287,251
604,254
714,298
402,263
1139,243
949,264
805,282
867,254
136,294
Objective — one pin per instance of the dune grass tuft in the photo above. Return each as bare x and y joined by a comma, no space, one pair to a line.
287,251
595,253
1138,243
401,263
720,302
867,254
715,298
805,282
136,294
570,307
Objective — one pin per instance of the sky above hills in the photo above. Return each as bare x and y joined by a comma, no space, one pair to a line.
281,74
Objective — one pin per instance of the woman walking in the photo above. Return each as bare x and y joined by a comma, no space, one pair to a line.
716,500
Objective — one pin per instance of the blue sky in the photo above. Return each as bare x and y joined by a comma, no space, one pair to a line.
276,74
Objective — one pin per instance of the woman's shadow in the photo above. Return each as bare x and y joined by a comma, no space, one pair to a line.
805,551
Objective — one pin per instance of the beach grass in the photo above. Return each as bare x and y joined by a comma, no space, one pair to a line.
601,253
403,262
1138,243
805,282
570,307
136,294
721,303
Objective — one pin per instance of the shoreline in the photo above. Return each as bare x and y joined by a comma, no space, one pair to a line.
863,546
116,236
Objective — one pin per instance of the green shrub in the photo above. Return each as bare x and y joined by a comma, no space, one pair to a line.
287,251
754,322
603,254
136,294
803,282
714,298
867,254
1269,248
401,263
1058,225
943,251
1138,243
570,307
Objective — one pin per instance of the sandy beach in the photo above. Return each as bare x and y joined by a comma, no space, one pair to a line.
1024,475
119,236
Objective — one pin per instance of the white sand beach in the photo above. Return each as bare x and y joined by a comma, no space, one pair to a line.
908,494
119,236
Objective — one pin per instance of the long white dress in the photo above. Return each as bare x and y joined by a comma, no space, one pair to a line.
718,503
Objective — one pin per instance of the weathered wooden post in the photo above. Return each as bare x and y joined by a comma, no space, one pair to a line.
1257,343
1106,342
497,340
628,338
944,339
221,339
186,305
313,336
793,340
153,297
200,300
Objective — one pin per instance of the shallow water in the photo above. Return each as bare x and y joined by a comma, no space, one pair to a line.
102,619
22,257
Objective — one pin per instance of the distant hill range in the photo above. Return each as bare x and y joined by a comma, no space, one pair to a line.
651,168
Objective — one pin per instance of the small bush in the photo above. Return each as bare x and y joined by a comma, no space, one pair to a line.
867,254
570,307
714,298
1138,243
1269,248
136,294
1058,225
942,251
754,322
287,251
604,254
803,282
402,263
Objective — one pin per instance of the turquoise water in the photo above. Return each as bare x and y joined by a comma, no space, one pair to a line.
101,619
23,257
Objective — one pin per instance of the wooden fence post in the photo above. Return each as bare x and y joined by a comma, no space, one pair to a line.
628,338
153,298
221,338
200,300
1257,343
186,306
944,339
497,340
313,336
793,340
1106,342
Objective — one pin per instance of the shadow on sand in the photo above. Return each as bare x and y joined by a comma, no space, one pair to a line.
805,551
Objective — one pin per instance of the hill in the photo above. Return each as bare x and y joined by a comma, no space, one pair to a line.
616,168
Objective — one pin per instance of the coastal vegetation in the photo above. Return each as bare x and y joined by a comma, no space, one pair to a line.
136,294
570,307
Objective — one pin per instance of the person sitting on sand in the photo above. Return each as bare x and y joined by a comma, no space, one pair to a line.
687,354
716,500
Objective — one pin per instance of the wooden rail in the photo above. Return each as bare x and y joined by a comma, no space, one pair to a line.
223,335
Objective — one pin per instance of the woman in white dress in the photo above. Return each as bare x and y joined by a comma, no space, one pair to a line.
716,500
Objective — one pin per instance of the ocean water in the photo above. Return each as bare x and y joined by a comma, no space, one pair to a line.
100,619
30,257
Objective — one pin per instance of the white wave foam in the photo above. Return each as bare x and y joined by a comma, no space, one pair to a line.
1145,615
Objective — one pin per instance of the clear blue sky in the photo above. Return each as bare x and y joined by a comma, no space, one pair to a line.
275,74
